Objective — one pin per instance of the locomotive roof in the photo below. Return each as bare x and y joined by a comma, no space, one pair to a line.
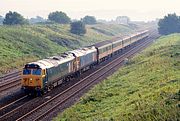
53,61
83,51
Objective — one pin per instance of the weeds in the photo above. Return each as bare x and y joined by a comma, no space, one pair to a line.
145,89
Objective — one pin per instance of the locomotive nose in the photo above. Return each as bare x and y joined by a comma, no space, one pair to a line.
31,81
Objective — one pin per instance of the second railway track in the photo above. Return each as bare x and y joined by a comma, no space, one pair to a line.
9,81
9,76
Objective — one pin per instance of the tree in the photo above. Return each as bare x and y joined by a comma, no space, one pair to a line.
78,28
89,20
14,18
169,24
59,17
38,19
122,20
1,20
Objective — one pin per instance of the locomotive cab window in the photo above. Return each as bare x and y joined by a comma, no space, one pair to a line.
26,71
36,72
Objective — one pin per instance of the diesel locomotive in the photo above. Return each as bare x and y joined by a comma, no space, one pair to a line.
43,75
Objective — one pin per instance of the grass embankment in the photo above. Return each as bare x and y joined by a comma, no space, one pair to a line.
147,88
22,44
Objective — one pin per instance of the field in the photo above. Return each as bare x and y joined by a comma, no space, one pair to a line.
22,44
147,88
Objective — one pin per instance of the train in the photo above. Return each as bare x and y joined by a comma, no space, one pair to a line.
43,75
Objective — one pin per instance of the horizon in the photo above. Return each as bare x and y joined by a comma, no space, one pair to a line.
138,10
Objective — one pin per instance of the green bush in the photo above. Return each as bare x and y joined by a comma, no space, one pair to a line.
78,28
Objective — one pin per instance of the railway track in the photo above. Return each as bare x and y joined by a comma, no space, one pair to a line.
9,75
9,81
111,67
10,84
62,97
12,105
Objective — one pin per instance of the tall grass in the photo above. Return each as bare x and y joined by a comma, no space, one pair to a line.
146,89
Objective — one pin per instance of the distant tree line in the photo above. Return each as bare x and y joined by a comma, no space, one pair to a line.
14,18
37,20
89,20
59,17
169,24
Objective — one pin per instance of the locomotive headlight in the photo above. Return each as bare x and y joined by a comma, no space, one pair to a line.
30,79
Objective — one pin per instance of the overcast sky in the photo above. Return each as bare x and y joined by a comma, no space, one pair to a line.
101,9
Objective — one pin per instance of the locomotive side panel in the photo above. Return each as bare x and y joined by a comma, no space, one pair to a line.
60,71
88,59
84,57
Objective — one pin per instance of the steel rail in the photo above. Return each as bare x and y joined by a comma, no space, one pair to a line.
42,105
